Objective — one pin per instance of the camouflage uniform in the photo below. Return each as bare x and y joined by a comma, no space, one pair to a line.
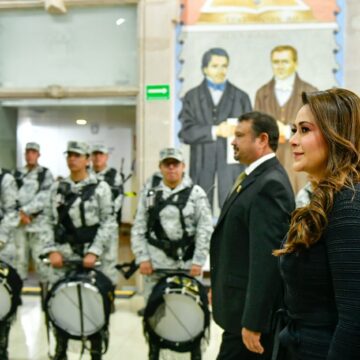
303,196
98,210
117,185
33,198
9,220
198,222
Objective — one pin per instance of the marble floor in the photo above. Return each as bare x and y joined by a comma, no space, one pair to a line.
28,338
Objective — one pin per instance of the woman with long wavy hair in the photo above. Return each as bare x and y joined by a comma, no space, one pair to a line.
320,259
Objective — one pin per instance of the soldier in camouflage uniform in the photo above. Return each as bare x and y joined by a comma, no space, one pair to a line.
8,222
90,236
172,227
34,183
99,159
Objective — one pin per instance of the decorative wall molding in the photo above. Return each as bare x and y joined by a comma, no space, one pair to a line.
31,4
59,92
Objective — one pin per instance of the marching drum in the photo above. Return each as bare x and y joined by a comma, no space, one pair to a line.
10,290
176,316
79,304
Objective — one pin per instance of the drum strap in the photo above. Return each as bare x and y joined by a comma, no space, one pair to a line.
156,235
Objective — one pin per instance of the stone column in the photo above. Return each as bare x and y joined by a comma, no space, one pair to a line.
157,20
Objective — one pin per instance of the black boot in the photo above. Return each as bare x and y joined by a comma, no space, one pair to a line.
196,353
154,351
4,339
96,346
61,346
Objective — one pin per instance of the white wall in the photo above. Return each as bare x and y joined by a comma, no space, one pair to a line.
52,128
84,47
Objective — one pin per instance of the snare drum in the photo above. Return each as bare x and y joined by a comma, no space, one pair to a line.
176,316
79,304
10,290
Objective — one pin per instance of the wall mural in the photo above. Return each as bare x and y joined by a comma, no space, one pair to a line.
238,55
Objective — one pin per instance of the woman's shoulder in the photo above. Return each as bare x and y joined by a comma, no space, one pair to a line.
347,198
348,193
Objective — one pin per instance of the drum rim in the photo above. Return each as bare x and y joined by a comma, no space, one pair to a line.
180,346
63,284
15,298
3,283
203,327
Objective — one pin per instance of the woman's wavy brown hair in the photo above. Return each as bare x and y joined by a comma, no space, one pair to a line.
337,113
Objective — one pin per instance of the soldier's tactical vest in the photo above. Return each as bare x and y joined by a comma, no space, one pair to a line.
65,231
2,173
19,177
182,249
116,190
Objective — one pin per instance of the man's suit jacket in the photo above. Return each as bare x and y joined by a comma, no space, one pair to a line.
266,101
207,156
245,279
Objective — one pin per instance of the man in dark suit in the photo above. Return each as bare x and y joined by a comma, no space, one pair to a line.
245,280
204,127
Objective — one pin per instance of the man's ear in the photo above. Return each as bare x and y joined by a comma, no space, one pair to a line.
264,138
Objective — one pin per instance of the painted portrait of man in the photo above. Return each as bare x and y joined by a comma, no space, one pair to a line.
204,125
281,98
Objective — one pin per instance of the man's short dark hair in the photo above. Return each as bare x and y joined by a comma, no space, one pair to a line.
281,48
211,52
263,123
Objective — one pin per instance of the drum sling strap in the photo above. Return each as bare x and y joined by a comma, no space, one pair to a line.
65,231
182,249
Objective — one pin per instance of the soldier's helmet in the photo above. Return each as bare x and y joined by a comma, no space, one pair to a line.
171,153
100,148
78,147
32,146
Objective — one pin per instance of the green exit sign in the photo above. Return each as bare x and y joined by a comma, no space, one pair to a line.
158,92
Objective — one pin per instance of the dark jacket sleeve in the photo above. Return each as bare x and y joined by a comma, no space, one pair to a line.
343,247
268,224
194,129
246,103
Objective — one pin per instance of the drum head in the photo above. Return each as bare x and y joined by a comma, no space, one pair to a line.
5,301
179,318
65,311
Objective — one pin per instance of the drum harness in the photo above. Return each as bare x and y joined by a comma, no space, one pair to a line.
65,231
182,249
